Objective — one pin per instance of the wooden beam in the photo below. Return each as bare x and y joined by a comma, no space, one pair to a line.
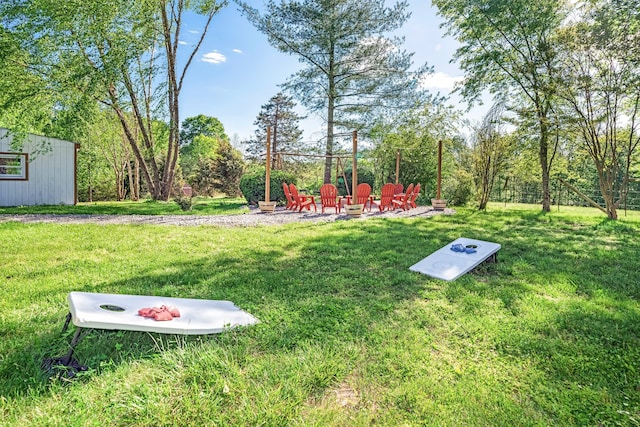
584,196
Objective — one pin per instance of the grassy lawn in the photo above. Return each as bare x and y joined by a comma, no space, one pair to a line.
550,335
201,206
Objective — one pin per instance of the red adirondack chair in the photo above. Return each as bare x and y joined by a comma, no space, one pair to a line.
290,202
398,189
302,200
386,197
329,197
403,202
364,196
414,196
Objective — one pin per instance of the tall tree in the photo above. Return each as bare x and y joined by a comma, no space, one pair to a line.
491,148
200,138
280,116
353,69
124,54
508,47
104,135
601,86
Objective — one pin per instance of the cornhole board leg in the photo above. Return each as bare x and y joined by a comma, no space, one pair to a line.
66,359
448,265
66,366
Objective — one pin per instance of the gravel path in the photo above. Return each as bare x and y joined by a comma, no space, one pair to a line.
253,218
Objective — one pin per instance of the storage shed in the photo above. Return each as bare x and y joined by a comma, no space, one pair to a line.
37,171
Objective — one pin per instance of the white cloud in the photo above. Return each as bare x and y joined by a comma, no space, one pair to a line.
182,42
194,31
214,57
237,51
440,80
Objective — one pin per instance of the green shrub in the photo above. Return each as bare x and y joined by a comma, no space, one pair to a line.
252,185
220,174
185,202
459,188
423,199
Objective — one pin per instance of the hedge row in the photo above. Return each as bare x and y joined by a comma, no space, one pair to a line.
252,185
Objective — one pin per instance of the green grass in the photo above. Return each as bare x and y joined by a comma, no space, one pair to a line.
201,206
550,335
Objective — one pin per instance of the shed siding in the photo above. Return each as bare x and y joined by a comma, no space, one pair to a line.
51,173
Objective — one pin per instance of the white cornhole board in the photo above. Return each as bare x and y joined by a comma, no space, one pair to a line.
197,317
449,265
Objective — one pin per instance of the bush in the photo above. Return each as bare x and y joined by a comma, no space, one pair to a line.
459,188
252,185
228,168
423,199
185,202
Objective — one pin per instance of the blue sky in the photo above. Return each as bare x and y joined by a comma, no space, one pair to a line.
236,70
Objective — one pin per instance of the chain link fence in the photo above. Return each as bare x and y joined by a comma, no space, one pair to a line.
512,191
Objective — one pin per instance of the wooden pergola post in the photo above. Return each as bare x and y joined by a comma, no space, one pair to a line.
354,169
438,203
267,183
267,205
398,167
439,182
354,209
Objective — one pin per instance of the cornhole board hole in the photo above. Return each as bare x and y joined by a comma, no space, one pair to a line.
447,264
120,312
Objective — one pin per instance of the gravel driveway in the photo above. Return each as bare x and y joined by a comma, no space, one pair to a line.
253,218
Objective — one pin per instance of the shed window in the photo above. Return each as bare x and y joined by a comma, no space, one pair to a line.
13,166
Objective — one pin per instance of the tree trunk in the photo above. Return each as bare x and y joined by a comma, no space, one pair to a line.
133,143
134,174
171,49
89,187
329,146
130,176
607,189
330,112
174,122
545,165
120,184
136,179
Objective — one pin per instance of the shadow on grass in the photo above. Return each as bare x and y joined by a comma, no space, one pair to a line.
315,289
572,290
331,283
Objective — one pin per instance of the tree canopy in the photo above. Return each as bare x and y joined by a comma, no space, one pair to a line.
508,46
279,115
354,69
600,87
201,125
123,54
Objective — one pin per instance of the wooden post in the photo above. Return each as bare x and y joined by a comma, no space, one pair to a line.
354,169
439,182
438,203
267,183
398,167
